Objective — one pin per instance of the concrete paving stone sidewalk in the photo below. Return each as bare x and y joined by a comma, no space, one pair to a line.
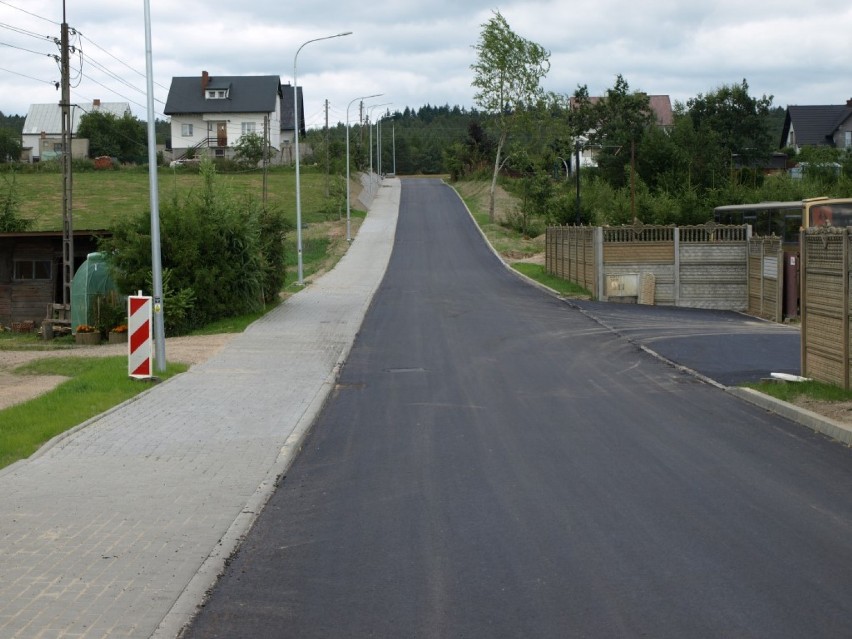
119,528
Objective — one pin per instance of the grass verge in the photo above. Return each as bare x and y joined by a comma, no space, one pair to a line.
95,385
538,273
790,391
510,244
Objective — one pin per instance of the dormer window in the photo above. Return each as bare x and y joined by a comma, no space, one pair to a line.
217,94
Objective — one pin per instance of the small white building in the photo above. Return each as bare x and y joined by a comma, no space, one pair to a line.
41,139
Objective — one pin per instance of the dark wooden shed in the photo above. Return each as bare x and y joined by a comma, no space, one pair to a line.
31,271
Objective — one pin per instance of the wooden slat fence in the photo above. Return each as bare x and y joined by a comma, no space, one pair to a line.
766,278
570,254
825,304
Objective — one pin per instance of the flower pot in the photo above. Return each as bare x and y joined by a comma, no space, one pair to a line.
117,338
88,339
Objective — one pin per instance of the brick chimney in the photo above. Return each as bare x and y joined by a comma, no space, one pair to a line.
96,104
849,102
205,80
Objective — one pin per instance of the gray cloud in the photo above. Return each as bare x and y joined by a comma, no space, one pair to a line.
418,53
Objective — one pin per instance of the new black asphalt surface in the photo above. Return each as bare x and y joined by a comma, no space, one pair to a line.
496,463
727,347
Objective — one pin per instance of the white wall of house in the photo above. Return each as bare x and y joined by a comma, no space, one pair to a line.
187,131
843,135
191,130
45,147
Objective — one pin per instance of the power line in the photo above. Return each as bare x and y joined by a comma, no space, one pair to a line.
97,46
54,83
115,92
27,12
112,75
31,34
12,46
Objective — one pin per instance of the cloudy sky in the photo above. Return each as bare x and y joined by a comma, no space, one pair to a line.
418,53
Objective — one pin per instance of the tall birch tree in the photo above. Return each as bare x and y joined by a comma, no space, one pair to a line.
507,79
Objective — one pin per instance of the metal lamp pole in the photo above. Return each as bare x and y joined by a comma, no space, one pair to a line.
348,226
301,279
156,258
369,123
379,145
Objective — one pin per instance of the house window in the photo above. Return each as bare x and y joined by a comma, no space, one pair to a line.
217,94
249,127
220,153
186,130
33,270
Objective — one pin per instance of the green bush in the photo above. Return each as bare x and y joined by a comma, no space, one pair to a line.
221,256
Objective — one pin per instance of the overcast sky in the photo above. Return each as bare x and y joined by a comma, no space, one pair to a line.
418,53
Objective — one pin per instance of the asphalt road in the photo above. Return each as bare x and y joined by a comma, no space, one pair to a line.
727,347
494,463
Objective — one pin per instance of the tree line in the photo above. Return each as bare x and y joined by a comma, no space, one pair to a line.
714,152
717,149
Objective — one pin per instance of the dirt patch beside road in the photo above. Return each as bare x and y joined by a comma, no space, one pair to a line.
15,389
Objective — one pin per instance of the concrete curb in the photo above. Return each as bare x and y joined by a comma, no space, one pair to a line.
184,609
809,419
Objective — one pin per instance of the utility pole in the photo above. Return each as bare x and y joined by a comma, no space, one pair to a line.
67,217
265,159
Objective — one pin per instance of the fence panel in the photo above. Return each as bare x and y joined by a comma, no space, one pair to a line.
765,278
570,254
702,266
825,305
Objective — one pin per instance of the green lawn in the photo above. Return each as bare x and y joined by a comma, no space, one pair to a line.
101,198
95,385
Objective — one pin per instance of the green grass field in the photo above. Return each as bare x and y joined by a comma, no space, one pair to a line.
101,198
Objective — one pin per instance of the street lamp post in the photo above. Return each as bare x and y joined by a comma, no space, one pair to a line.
348,225
301,279
379,145
369,123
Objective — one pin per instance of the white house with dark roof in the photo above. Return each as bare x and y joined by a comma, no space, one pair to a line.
42,135
209,114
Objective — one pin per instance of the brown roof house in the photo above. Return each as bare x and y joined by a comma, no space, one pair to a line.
661,107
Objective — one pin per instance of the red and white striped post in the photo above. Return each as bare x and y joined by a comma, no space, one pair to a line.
140,343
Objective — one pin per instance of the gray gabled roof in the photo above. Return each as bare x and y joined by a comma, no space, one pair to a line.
814,125
246,94
288,113
47,118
